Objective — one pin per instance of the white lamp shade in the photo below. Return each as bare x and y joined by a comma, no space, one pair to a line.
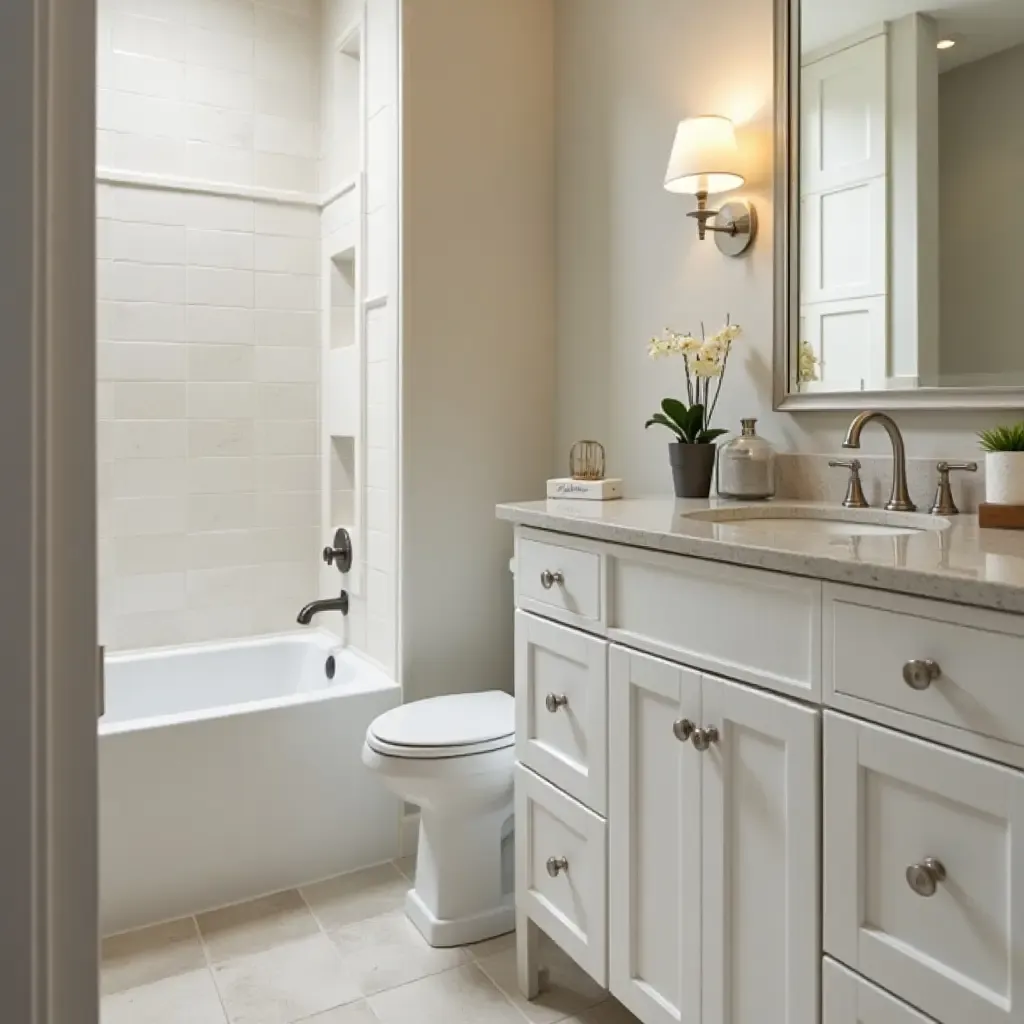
704,157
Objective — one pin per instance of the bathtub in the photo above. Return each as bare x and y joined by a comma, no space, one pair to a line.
230,770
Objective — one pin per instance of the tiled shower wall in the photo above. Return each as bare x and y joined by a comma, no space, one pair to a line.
208,323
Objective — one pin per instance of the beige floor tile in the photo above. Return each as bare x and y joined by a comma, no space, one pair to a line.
387,951
150,954
183,999
354,1013
286,983
355,897
489,947
461,996
609,1012
407,865
567,988
256,926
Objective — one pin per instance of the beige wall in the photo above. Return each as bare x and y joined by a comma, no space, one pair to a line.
629,261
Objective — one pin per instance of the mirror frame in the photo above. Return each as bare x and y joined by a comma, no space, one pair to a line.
787,262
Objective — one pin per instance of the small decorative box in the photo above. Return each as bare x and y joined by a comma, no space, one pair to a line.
586,481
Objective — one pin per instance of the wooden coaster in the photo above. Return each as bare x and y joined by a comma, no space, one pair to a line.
1000,517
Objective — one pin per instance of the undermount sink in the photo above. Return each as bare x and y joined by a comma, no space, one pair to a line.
818,520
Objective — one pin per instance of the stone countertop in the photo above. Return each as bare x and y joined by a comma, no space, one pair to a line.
960,562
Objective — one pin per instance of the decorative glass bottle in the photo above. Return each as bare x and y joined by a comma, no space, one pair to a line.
746,466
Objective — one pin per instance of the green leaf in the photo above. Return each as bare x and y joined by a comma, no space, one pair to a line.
676,411
707,436
1003,439
663,421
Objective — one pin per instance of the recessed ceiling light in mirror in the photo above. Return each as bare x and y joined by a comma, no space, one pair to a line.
945,44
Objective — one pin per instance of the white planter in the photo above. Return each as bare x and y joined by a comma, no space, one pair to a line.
1004,478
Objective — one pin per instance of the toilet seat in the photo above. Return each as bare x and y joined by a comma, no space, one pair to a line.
459,725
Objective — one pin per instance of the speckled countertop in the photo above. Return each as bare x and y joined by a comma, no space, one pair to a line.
956,562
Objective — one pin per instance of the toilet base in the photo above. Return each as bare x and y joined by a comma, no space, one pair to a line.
459,931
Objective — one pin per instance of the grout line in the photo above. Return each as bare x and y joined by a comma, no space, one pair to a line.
209,967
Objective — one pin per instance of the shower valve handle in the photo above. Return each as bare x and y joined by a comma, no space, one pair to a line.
340,555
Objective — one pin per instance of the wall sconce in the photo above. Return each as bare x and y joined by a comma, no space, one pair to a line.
704,160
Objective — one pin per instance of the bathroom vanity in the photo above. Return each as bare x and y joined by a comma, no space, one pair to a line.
771,771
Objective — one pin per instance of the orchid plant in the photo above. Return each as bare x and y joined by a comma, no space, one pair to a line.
704,363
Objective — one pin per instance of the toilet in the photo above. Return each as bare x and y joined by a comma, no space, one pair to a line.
453,757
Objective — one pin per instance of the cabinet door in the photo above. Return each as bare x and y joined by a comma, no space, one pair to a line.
654,839
847,998
761,949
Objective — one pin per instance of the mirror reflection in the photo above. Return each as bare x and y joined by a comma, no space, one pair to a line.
911,195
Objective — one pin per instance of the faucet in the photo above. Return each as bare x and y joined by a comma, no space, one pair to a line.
331,604
899,499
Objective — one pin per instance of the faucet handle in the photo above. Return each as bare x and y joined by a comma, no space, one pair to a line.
854,491
944,505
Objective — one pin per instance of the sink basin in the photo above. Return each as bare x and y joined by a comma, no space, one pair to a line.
779,520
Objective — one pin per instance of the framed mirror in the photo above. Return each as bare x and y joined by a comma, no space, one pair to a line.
900,201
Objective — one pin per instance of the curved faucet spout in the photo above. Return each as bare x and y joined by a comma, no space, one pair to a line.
899,498
331,604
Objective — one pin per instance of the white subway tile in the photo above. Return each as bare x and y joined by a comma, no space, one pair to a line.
287,365
283,255
229,249
284,59
379,551
207,438
286,97
224,164
140,115
220,326
381,56
212,286
233,363
307,8
223,213
221,401
143,154
287,327
140,361
287,437
148,37
288,508
216,125
149,439
287,402
381,159
287,219
141,400
378,510
291,544
222,475
148,478
290,173
165,10
140,282
235,17
289,473
149,629
380,425
380,640
380,384
140,321
217,588
285,135
141,206
232,90
378,468
286,291
104,400
140,243
223,623
151,592
223,50
277,23
237,511
133,555
379,595
147,76
139,517
220,549
380,252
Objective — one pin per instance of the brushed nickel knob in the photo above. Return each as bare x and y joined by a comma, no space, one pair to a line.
554,701
920,673
703,738
548,578
924,877
556,865
683,729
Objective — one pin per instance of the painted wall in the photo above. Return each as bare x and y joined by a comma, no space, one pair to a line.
981,216
477,342
629,261
207,322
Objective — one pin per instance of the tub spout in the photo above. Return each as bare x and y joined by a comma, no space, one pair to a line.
331,604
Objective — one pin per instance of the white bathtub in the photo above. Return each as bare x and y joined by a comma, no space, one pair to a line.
231,770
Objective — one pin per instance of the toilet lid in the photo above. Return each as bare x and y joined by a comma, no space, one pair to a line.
443,726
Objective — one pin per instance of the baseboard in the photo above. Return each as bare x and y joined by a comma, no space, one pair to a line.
409,834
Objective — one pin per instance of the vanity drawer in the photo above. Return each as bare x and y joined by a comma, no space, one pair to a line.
561,870
924,872
849,999
553,579
874,641
562,707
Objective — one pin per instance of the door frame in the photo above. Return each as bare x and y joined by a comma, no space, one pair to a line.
48,692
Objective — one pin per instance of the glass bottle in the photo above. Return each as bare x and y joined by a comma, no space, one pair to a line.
746,466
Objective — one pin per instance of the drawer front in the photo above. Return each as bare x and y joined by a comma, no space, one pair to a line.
558,580
848,999
561,866
969,662
751,625
924,872
562,707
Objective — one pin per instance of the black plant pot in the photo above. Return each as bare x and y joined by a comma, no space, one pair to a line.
693,465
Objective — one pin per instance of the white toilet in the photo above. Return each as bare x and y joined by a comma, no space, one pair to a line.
453,758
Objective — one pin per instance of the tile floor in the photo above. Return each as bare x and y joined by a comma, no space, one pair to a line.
337,952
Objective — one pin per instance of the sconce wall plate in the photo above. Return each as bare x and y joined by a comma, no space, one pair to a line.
737,225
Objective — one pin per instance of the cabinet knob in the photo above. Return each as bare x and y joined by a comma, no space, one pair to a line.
548,578
920,673
554,701
556,865
924,877
683,729
703,738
